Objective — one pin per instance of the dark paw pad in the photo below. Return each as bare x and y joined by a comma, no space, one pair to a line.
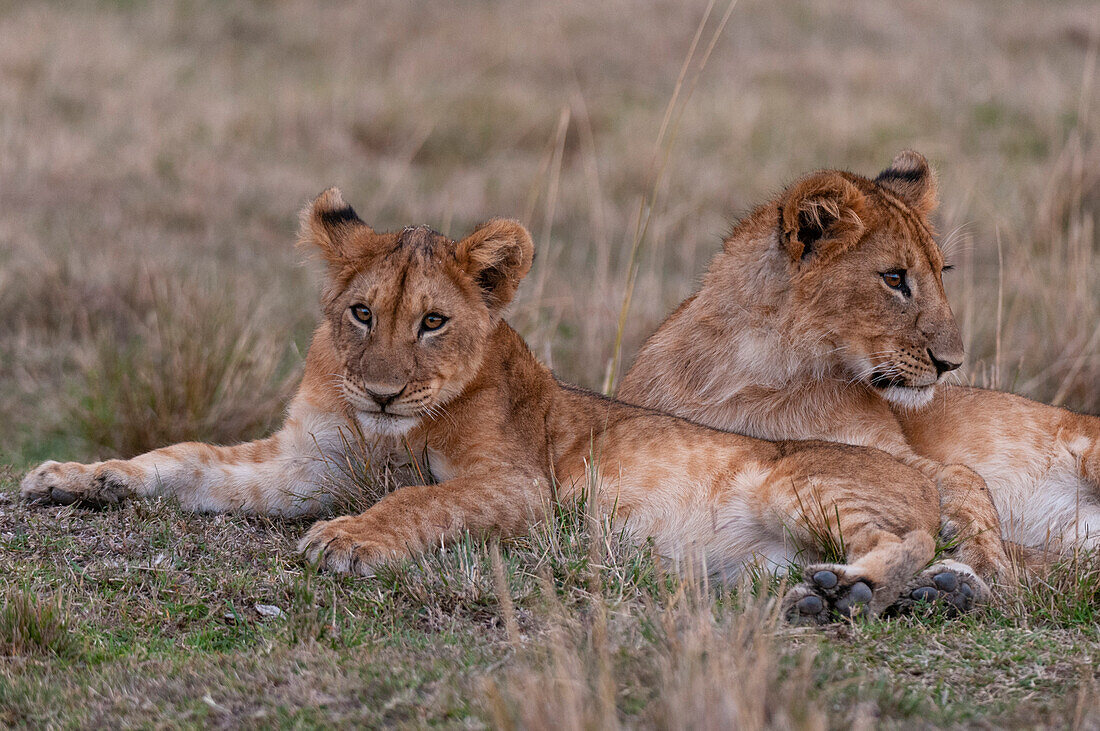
851,602
805,606
61,496
924,594
963,599
828,593
947,581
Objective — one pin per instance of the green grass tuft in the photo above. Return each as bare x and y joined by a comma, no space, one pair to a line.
32,626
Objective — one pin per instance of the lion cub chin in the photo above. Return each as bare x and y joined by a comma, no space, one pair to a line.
413,345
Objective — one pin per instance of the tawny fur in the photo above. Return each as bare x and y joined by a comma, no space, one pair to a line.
786,341
505,439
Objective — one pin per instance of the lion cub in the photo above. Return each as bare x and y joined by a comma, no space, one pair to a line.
824,316
413,346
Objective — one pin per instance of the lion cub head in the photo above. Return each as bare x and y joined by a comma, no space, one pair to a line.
410,312
865,276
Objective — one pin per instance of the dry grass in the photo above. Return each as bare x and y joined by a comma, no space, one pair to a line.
563,628
192,369
1068,591
154,157
698,668
174,143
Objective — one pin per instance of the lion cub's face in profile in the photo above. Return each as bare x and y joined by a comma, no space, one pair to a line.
866,277
410,312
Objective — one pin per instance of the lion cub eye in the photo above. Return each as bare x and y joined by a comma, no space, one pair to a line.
432,321
362,314
896,280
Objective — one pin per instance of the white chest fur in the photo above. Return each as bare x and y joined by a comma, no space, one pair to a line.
441,467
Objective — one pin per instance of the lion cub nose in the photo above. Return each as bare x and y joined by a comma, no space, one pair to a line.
382,398
942,366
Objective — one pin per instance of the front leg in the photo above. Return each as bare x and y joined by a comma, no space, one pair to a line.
970,518
414,519
282,474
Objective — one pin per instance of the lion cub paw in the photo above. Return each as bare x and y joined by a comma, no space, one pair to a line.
71,482
949,584
830,591
342,545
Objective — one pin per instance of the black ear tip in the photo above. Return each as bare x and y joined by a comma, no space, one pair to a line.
908,166
331,209
339,216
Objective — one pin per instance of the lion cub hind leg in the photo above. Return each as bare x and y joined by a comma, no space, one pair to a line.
864,587
882,514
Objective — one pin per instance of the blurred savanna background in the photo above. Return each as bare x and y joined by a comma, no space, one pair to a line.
154,157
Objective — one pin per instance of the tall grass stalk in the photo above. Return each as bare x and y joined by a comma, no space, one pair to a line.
661,155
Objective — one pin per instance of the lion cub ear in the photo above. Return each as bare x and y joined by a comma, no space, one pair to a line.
497,255
911,179
328,223
818,211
